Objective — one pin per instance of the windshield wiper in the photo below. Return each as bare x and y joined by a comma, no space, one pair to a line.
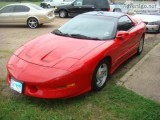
58,32
83,37
79,36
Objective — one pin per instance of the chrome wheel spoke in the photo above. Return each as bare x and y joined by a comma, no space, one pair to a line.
101,75
32,23
141,45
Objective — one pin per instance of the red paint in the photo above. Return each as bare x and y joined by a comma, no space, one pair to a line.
53,66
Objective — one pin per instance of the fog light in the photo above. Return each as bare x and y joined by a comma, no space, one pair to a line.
32,88
67,86
71,85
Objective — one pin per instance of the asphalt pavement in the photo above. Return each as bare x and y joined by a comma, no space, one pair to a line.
144,77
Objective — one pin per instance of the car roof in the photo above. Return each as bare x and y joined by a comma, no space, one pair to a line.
104,13
20,4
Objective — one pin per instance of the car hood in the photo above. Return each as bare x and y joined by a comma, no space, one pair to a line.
147,18
49,50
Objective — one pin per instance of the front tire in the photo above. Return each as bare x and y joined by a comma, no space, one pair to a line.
48,6
32,23
140,47
100,75
63,14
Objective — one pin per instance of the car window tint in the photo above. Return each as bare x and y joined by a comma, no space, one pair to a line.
101,3
78,3
8,9
124,23
96,27
21,8
88,2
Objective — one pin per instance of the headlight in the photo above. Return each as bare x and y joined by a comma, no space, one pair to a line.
154,23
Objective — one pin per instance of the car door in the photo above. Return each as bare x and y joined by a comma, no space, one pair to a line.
127,45
81,6
20,14
6,14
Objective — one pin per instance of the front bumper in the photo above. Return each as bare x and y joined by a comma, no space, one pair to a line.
152,28
46,82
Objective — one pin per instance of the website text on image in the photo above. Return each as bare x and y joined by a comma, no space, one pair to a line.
142,7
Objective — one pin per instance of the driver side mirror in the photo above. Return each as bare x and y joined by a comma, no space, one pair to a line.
121,34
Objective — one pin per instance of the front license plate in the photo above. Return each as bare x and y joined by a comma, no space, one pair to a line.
15,85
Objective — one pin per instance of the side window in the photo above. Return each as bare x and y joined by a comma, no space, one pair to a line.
8,9
78,3
101,3
21,8
88,2
124,23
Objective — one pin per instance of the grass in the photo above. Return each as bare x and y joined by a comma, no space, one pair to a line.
112,103
6,3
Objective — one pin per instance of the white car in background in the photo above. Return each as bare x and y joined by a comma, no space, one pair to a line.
54,3
25,13
152,22
118,8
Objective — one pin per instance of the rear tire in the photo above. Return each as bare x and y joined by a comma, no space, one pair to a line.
32,23
63,14
140,47
100,75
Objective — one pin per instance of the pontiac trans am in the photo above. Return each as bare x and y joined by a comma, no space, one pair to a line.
77,57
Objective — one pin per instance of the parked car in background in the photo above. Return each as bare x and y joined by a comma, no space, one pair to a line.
118,8
25,13
152,22
77,57
53,3
82,6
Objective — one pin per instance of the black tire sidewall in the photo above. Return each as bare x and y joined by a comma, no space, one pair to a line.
139,52
64,12
36,21
94,79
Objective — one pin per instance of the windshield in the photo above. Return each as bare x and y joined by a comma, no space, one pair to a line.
89,27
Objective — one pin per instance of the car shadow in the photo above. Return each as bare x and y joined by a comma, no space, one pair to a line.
153,33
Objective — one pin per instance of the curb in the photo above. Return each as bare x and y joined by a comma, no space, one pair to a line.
135,67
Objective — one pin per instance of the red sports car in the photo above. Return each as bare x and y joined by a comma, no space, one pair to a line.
77,57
